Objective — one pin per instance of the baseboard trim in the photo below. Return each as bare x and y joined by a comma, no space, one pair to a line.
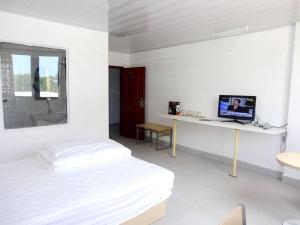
290,181
225,160
255,168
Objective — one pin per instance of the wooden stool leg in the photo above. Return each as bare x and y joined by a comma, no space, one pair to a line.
156,141
137,135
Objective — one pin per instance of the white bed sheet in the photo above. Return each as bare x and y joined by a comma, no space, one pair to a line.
104,195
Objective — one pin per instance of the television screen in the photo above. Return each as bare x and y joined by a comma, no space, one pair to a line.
237,107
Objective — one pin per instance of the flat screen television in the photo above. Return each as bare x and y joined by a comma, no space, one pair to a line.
237,107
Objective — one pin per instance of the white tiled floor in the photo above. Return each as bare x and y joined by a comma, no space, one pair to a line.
204,193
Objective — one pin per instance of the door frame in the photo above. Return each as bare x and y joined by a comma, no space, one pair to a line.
121,68
116,67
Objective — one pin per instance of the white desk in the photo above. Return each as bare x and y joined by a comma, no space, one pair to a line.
230,125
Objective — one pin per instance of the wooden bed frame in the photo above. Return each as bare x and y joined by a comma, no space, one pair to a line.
155,213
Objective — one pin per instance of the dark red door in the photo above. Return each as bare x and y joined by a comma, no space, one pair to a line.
132,94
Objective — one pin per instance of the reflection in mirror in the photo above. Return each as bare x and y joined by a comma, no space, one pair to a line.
33,85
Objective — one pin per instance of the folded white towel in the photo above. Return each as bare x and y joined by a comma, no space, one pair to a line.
78,154
64,149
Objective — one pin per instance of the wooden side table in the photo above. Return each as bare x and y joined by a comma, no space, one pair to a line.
159,129
291,159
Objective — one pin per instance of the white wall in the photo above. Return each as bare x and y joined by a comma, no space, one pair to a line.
119,59
293,140
119,44
195,74
87,83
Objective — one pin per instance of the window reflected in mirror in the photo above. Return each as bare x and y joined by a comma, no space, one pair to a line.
22,75
48,75
33,81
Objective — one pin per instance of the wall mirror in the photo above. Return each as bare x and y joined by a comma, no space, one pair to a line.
33,81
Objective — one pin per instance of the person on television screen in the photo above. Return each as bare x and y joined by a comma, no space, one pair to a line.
235,107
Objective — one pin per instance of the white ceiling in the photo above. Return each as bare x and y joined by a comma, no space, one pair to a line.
91,14
137,25
151,24
139,16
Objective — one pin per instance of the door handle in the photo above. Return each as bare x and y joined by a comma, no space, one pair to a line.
141,102
4,100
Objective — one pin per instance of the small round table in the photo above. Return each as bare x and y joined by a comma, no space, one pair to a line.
291,159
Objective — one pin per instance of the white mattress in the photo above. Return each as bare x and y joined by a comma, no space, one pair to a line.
108,194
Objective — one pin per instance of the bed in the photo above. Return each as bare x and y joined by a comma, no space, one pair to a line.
127,191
